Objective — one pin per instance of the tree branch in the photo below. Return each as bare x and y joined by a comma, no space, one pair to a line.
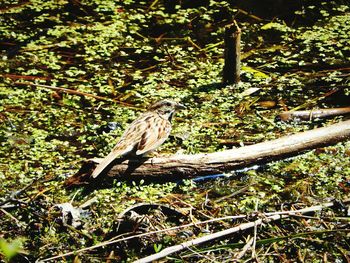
220,234
189,166
268,217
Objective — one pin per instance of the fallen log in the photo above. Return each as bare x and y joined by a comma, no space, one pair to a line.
189,166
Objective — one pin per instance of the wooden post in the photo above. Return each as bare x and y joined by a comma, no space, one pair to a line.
232,67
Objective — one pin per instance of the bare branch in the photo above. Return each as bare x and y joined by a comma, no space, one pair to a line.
189,166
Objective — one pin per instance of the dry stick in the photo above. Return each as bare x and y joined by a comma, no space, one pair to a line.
72,92
13,6
232,67
33,78
247,246
255,233
113,240
315,100
313,114
249,15
152,5
10,216
189,166
279,214
14,194
14,76
173,249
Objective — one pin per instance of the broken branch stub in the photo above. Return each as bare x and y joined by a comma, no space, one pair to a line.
232,67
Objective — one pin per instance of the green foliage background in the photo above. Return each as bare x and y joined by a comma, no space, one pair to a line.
130,54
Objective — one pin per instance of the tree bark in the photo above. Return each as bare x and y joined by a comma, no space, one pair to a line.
232,67
189,166
313,114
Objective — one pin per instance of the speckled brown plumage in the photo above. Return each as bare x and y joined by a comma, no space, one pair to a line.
144,134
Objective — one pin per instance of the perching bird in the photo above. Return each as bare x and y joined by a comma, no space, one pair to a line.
144,134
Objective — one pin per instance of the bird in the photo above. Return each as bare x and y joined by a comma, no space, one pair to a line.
144,134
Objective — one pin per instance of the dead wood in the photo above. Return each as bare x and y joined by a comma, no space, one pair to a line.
232,67
189,166
73,92
313,114
266,218
224,233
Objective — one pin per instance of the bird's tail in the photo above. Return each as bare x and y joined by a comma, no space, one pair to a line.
101,167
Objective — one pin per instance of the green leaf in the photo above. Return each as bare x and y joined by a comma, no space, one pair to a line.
157,247
12,248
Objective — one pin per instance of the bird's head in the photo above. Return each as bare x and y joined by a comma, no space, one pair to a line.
166,108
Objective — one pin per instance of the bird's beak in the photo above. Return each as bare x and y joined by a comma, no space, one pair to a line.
179,106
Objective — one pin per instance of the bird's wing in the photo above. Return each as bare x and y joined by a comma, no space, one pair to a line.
144,134
125,145
154,135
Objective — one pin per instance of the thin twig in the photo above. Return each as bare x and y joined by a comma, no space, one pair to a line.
14,194
199,255
244,250
255,232
10,216
265,119
189,39
170,250
249,15
152,5
74,92
239,191
315,100
114,240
